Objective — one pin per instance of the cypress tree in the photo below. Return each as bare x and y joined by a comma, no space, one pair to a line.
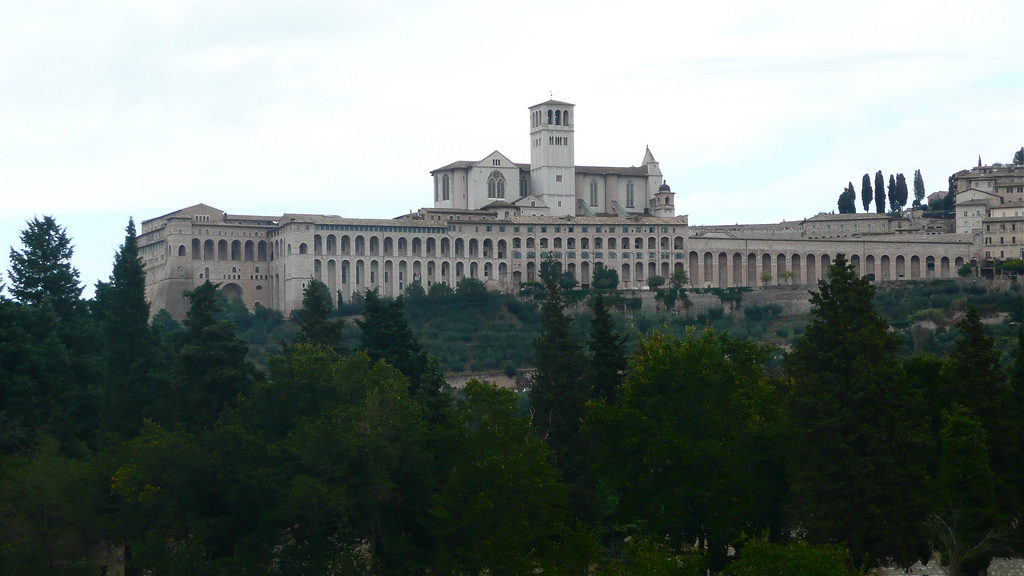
902,194
879,193
894,200
866,193
918,188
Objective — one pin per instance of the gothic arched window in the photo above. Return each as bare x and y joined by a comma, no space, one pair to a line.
496,185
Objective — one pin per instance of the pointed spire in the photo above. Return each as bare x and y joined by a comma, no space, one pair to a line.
648,157
979,160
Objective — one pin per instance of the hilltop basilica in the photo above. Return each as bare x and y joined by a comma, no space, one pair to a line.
496,220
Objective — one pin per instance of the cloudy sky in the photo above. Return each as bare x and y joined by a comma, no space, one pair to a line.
757,111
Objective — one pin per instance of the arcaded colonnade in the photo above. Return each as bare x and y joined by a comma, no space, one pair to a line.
270,262
722,262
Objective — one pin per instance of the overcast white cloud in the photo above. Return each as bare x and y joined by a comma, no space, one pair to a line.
756,112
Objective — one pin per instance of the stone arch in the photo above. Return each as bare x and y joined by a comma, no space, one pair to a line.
869,267
403,246
417,247
261,251
222,250
794,267
624,275
431,249
249,252
503,271
884,265
677,243
502,248
708,274
389,246
929,267
855,262
181,250
388,281
318,244
488,248
915,267
460,248
488,270
694,273
374,279
374,246
317,270
446,247
780,269
531,272
751,269
652,269
332,244
944,267
812,270
231,291
584,272
737,269
652,243
766,269
460,271
332,277
346,245
236,250
303,248
723,270
209,252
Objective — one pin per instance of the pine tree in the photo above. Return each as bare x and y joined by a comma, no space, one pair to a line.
918,189
124,313
386,335
212,370
315,325
559,391
861,429
43,267
879,193
608,353
867,195
1018,156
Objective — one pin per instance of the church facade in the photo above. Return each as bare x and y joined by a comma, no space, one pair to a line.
497,221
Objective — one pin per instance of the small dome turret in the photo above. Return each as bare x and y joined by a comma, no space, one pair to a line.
664,187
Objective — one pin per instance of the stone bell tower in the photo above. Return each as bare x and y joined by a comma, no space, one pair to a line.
552,157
